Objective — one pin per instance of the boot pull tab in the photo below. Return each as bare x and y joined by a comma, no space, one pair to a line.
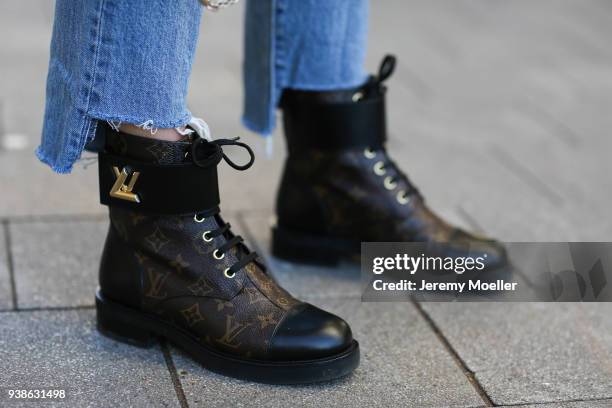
387,66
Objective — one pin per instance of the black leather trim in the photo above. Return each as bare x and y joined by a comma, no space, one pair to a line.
335,125
120,276
172,189
307,332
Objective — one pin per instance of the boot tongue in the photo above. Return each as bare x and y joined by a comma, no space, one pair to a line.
146,149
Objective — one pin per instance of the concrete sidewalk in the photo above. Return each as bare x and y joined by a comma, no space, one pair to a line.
510,101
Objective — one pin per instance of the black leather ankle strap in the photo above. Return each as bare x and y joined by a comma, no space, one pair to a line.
341,119
335,126
173,189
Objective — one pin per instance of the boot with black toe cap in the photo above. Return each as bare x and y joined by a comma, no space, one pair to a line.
173,268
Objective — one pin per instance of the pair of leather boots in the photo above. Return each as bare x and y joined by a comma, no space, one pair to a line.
173,268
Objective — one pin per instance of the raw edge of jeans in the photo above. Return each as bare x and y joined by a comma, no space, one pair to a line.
170,124
66,169
264,131
46,160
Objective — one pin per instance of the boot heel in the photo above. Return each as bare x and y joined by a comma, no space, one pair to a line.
119,324
311,249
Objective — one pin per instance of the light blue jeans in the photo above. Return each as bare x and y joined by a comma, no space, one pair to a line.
130,61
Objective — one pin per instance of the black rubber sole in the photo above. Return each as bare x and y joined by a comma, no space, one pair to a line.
312,249
141,329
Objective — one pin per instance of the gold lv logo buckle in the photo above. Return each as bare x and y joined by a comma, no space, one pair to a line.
122,191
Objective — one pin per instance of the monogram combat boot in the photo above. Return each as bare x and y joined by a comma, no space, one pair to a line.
340,187
172,268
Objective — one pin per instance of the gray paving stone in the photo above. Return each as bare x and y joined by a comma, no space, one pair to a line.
63,350
42,192
6,296
574,404
502,205
402,364
255,188
24,52
578,201
301,280
56,263
532,352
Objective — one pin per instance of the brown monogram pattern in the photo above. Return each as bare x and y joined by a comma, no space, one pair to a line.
183,282
354,203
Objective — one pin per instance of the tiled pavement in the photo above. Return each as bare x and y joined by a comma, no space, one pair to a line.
509,101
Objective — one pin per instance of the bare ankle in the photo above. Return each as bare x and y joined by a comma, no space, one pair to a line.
169,135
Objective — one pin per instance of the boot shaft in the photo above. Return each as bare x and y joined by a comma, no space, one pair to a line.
335,138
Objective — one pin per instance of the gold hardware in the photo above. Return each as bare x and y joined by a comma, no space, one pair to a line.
379,169
369,153
402,198
389,183
122,191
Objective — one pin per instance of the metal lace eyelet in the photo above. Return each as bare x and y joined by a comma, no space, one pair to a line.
206,237
389,183
379,169
229,274
402,198
369,153
217,256
357,96
196,219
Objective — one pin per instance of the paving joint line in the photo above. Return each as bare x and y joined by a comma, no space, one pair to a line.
544,403
455,355
526,176
48,309
10,262
471,221
555,127
176,382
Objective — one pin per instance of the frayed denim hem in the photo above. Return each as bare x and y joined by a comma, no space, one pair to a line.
264,131
66,161
139,121
56,168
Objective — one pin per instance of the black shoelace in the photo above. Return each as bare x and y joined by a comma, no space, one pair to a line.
206,153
